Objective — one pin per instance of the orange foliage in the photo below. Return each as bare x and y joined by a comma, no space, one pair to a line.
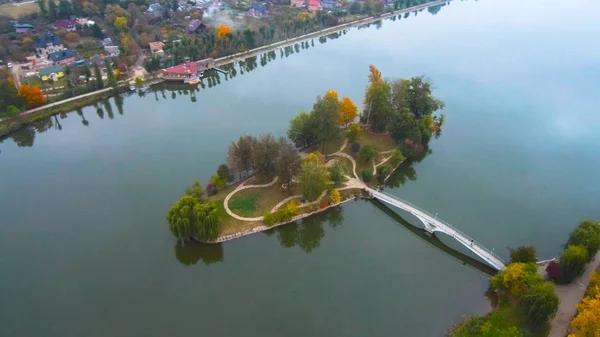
374,75
10,81
33,96
222,31
332,93
348,111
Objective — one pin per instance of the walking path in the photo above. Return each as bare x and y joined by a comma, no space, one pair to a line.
570,295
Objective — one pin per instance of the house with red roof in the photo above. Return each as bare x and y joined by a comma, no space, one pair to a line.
66,24
314,5
298,3
181,72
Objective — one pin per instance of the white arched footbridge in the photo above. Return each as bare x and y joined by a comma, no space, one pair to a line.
433,224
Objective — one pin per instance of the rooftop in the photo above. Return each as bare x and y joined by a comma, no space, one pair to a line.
23,25
48,39
61,55
65,23
193,25
49,70
187,68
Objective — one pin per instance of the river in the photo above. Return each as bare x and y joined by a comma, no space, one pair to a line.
84,244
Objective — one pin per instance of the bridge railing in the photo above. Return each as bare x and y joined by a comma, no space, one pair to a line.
436,218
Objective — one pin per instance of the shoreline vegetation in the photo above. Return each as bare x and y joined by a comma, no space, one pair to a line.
524,295
269,182
10,124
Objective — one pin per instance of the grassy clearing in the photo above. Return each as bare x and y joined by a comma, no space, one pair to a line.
18,10
243,206
381,142
264,199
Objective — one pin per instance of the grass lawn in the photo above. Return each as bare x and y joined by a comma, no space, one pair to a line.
255,201
381,142
243,206
17,10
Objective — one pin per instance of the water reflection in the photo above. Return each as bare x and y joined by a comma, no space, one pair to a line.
190,253
308,233
25,136
406,171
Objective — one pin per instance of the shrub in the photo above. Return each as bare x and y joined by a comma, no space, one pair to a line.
269,219
324,204
212,189
366,175
572,262
587,234
524,254
224,173
517,278
397,157
335,197
355,146
218,181
553,271
367,153
352,132
292,207
336,173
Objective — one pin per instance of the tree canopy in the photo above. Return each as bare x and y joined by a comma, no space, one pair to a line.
313,177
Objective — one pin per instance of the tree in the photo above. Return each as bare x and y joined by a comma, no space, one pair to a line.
353,132
9,96
586,321
348,111
572,262
355,147
396,158
110,74
138,81
587,234
313,178
98,75
540,303
367,152
288,162
195,191
52,10
302,130
327,114
404,127
222,31
517,278
97,31
181,217
292,207
336,173
525,254
366,175
65,9
240,156
377,107
32,96
335,197
121,23
218,181
420,100
224,173
207,223
42,5
264,156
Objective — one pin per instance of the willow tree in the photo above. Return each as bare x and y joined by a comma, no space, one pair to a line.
182,217
207,221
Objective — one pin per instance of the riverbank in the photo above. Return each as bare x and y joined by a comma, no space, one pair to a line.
14,123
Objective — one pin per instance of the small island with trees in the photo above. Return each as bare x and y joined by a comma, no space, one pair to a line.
326,160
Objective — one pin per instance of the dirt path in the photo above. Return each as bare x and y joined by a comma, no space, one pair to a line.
570,295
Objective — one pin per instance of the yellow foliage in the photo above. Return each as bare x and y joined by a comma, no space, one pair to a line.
223,31
315,157
335,197
121,23
32,95
587,321
332,93
516,278
292,207
374,75
348,111
27,40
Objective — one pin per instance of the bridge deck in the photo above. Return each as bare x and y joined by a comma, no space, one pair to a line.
433,224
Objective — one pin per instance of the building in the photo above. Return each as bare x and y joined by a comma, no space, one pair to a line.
156,10
298,3
156,48
65,56
258,10
96,59
329,4
48,43
23,28
182,72
205,64
314,5
65,24
112,50
195,26
53,72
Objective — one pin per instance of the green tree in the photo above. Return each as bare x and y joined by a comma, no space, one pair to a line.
404,126
195,190
288,162
327,113
353,132
224,173
52,12
397,157
313,178
517,278
336,173
540,303
65,9
182,217
355,147
420,100
587,234
9,96
366,175
303,130
367,152
524,254
572,262
88,74
207,223
110,73
97,31
217,181
42,5
98,75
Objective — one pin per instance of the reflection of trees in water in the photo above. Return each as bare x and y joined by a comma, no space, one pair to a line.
108,108
308,232
23,137
405,171
190,254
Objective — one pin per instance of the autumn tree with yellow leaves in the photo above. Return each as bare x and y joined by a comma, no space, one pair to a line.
348,111
587,320
32,96
223,31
